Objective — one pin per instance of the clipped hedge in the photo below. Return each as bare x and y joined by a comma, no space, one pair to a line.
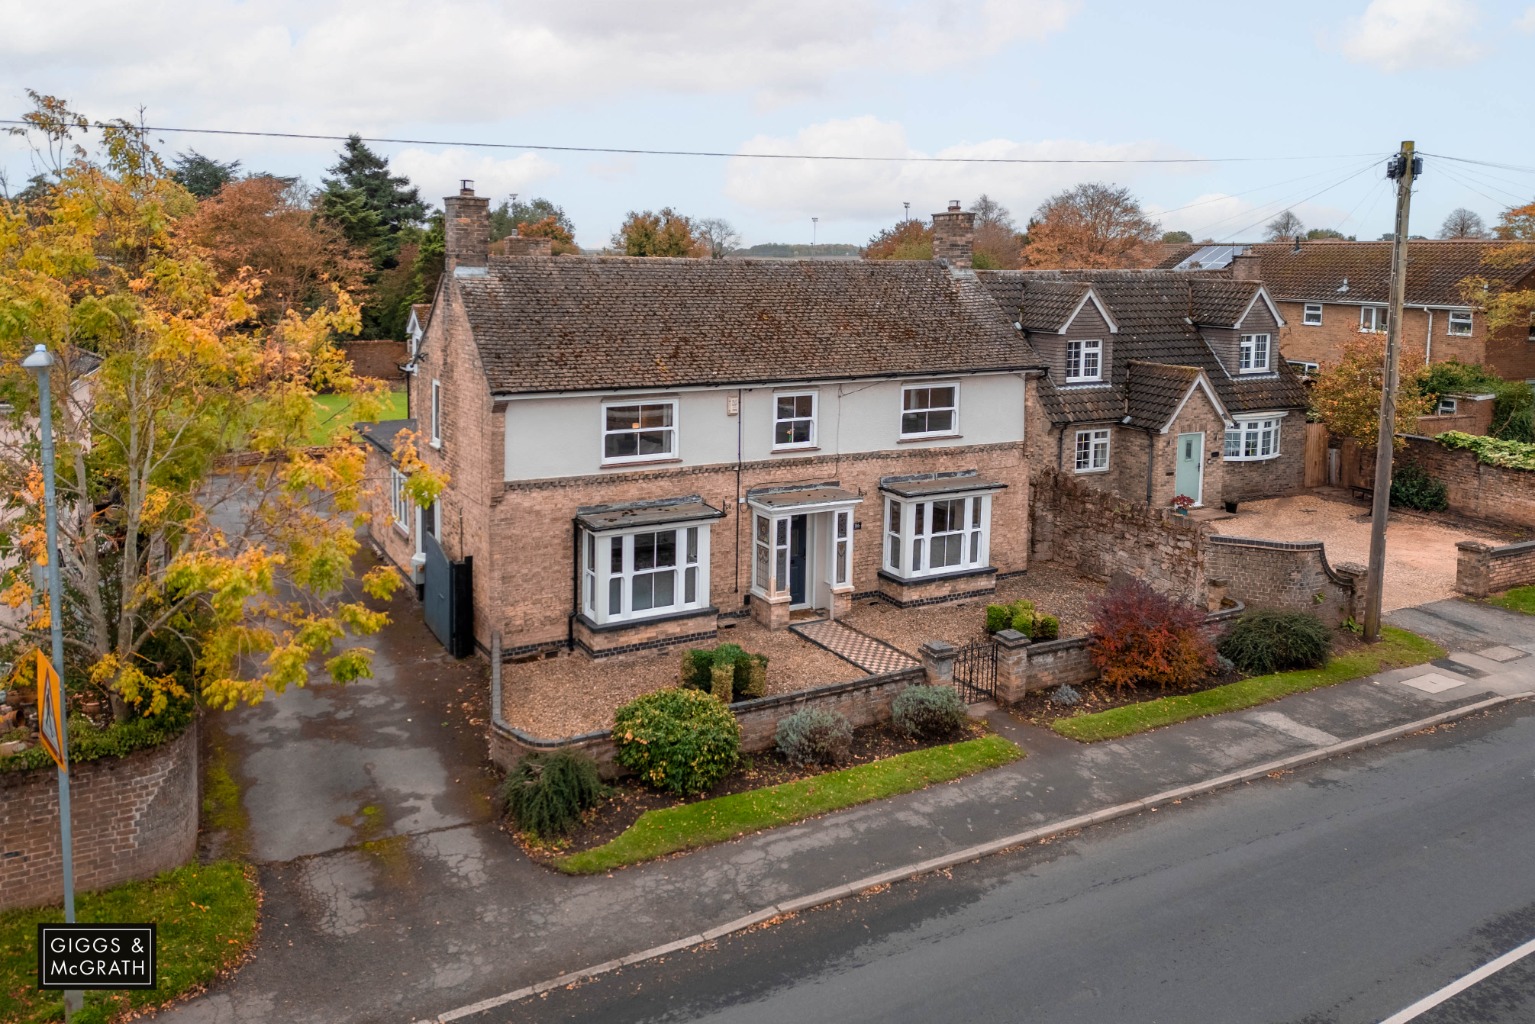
89,743
726,671
679,740
1025,618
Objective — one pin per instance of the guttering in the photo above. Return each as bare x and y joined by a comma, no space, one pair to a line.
725,385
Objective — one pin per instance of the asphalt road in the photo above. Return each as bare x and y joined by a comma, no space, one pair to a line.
1339,894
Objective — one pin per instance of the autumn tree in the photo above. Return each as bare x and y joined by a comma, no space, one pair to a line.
717,236
1092,225
1347,393
270,226
1283,227
905,240
179,578
997,243
203,176
1177,238
509,215
667,233
1508,307
1463,223
561,242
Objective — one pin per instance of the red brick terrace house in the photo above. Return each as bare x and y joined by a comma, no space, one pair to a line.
1330,291
1159,383
640,446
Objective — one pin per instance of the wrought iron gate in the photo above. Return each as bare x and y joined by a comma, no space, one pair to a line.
975,671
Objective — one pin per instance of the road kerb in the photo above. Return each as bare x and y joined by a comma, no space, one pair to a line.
981,850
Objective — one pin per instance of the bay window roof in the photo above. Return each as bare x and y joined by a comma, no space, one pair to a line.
602,518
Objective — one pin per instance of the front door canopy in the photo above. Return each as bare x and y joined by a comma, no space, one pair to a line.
801,500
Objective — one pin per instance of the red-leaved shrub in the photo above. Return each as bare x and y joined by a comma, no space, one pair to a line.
1139,636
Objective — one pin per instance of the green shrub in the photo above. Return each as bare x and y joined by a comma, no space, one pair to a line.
678,740
998,617
1413,487
1140,636
546,793
748,672
1047,627
1022,616
928,712
1261,642
814,736
1513,401
1506,454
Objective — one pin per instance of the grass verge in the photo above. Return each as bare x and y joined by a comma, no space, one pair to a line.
1397,648
206,916
658,833
333,409
1520,599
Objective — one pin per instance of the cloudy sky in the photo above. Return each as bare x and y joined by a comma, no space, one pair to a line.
1308,96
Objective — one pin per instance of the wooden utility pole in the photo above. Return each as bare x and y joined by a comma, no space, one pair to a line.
1403,169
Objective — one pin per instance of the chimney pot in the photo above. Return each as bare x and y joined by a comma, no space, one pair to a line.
954,206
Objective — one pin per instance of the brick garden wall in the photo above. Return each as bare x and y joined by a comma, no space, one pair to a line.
380,358
133,818
1068,661
1482,569
1294,576
1475,488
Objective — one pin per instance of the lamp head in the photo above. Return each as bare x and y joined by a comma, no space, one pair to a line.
39,360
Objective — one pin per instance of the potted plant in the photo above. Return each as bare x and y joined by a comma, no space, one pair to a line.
1231,506
1182,503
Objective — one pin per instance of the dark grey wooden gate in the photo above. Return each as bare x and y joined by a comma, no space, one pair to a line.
447,599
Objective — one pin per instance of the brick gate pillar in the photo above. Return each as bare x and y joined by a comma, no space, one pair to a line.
938,662
1012,665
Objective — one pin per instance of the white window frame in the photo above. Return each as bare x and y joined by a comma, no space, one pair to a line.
672,430
953,409
1446,407
1372,319
1094,445
1082,348
1256,439
436,438
1303,366
909,534
1311,314
1251,346
599,572
400,505
815,408
1462,320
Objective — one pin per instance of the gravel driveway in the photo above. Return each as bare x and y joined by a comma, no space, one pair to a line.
1420,549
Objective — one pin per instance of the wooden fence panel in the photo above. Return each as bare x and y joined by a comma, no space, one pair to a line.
1316,455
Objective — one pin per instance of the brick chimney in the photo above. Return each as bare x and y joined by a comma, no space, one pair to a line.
466,228
953,235
1247,266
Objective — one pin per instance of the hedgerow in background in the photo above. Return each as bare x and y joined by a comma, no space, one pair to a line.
1267,641
679,740
546,793
1140,637
1513,405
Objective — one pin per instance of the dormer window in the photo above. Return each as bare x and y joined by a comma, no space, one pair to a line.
1084,361
1255,353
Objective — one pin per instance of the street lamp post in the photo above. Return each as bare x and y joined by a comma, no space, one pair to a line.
38,364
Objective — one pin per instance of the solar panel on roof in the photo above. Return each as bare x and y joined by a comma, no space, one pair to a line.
1211,257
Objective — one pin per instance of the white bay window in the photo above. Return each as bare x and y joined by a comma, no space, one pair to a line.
1253,439
932,536
658,569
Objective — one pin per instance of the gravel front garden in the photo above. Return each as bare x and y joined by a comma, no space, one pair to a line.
1054,589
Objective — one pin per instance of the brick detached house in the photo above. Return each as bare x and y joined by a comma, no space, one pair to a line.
1330,291
1159,383
638,446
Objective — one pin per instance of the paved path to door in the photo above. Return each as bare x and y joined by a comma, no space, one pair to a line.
873,656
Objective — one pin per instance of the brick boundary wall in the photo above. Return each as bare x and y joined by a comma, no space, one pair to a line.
1290,575
133,818
863,701
1475,489
379,358
1482,569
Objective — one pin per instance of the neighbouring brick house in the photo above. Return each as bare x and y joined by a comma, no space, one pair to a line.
1159,383
639,446
1330,291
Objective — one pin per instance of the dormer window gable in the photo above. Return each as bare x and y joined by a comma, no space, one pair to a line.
1090,297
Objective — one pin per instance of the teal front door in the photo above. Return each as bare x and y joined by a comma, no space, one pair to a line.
1190,478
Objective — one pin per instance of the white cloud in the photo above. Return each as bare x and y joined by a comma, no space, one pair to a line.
795,190
364,64
1226,217
438,172
1526,21
1395,35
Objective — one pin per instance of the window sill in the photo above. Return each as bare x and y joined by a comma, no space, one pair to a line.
636,621
404,530
937,577
626,463
436,443
794,449
1250,458
914,438
1089,472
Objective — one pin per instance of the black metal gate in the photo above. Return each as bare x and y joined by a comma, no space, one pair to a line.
447,599
975,671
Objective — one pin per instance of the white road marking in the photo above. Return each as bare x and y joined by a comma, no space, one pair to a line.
1281,722
1453,989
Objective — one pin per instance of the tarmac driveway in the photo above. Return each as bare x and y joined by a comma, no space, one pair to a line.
1420,550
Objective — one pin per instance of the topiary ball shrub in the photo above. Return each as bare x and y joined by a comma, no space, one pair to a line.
546,793
678,740
1261,642
1413,487
925,712
815,736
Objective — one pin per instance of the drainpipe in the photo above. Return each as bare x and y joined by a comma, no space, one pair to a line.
1428,342
1151,461
740,415
1060,448
575,584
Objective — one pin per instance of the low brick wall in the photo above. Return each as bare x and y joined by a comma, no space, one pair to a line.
1290,575
380,359
1482,569
1103,536
864,701
1068,662
1475,488
133,818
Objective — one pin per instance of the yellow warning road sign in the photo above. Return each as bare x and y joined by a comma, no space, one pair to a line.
50,712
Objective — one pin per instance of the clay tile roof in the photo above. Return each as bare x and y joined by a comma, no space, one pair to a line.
1219,301
1435,268
1045,306
592,323
1153,391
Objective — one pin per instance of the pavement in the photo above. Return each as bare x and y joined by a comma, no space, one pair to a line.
393,895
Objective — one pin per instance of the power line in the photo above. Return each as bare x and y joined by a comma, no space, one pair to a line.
1308,199
624,151
1483,163
1245,192
1270,207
